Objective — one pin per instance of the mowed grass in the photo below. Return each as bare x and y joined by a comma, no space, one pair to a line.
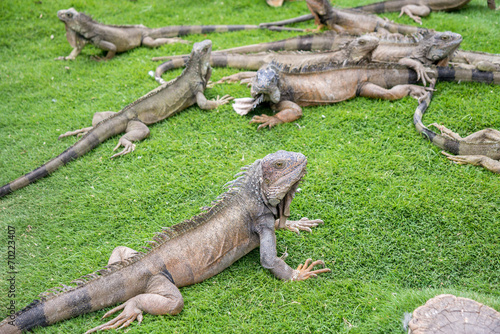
402,223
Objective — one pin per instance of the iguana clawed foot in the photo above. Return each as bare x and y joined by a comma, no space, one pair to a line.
128,147
445,132
305,271
476,160
64,58
78,133
304,224
415,12
266,120
419,93
223,100
129,314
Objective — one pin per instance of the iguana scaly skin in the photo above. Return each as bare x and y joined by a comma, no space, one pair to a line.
356,50
245,218
289,91
81,29
160,103
481,148
347,20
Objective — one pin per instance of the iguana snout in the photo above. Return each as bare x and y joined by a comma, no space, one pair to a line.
265,84
281,174
67,15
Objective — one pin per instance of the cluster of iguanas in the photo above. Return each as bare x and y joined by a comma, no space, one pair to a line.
361,54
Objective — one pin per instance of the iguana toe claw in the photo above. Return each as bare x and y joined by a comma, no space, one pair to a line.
304,224
128,147
305,271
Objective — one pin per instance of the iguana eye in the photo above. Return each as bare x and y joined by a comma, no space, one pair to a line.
362,42
70,15
279,164
445,37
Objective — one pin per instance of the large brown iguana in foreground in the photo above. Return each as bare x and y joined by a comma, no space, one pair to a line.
347,20
481,148
162,102
81,29
432,48
245,218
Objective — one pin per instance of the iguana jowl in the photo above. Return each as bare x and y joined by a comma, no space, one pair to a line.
162,102
81,29
245,218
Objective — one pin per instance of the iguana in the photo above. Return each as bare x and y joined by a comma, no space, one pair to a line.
413,8
434,49
162,102
430,48
288,91
356,50
481,148
81,29
347,20
448,314
257,203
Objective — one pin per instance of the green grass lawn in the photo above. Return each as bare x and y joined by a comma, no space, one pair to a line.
402,223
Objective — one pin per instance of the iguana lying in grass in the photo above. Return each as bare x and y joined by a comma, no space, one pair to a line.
481,148
162,102
288,91
482,61
356,50
415,9
257,203
81,29
347,20
433,48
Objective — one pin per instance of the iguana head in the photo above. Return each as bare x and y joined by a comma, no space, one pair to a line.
361,47
265,84
281,174
73,19
441,45
200,58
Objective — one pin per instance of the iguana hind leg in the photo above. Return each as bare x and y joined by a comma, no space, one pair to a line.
121,253
98,117
153,43
483,136
415,12
161,297
136,130
476,160
395,93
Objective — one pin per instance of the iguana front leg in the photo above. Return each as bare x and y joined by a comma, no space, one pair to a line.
476,160
419,68
74,53
304,224
98,117
161,297
270,260
205,104
288,111
415,12
136,130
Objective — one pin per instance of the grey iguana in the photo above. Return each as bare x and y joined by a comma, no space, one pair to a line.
81,29
481,148
257,203
162,102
